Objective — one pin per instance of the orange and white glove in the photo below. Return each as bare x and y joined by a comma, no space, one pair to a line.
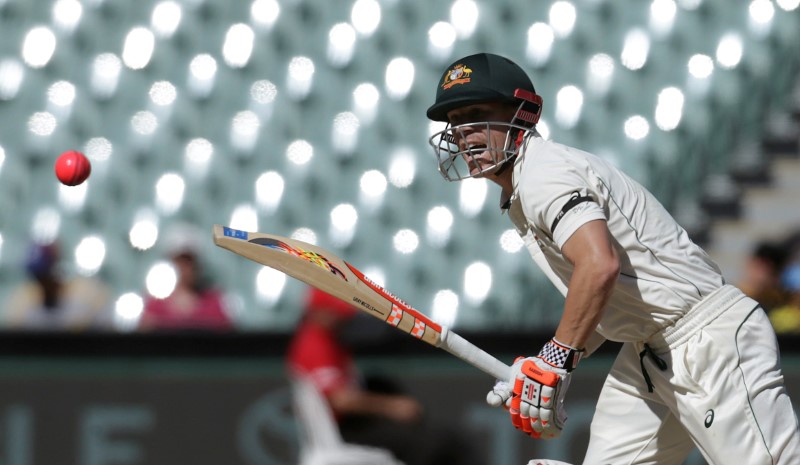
538,386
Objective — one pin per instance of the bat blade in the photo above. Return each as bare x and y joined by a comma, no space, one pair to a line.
326,271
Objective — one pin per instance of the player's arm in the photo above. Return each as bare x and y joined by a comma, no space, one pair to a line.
356,401
596,268
539,384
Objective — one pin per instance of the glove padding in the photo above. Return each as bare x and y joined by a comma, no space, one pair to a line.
537,400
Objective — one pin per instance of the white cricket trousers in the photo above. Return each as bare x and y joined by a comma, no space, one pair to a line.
721,391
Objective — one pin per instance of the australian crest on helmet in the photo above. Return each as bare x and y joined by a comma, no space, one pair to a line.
459,74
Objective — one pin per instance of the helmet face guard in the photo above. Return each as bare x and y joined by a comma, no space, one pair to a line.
456,164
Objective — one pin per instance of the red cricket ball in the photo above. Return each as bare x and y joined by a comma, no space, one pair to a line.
72,168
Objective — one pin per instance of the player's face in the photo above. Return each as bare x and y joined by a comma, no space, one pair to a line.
482,143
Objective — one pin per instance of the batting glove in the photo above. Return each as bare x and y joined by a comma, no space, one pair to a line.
538,388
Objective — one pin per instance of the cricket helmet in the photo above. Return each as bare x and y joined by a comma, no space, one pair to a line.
484,77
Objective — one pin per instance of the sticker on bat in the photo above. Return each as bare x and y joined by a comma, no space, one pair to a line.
306,255
234,233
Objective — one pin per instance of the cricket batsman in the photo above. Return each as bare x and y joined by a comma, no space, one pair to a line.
699,365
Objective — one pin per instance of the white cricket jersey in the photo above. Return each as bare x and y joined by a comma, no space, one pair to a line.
663,273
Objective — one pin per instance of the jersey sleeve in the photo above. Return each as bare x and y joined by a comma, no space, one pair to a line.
558,201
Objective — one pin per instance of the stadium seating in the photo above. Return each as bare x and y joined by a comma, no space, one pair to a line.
247,114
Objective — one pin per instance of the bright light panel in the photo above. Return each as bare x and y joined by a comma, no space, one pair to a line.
540,43
365,102
300,152
365,16
46,225
344,132
105,74
144,123
245,126
562,18
98,149
636,127
730,50
439,225
72,198
144,232
166,18
341,44
11,75
127,310
635,49
138,48
477,282
263,92
600,73
269,285
344,218
373,183
269,191
203,67
761,12
161,279
265,12
163,93
399,78
245,218
170,188
38,47
569,103
405,241
662,16
197,157
701,66
42,123
464,17
300,78
306,235
669,108
238,45
61,93
510,241
441,38
402,167
67,14
89,255
445,307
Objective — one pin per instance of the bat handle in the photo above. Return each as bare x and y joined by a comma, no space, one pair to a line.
473,355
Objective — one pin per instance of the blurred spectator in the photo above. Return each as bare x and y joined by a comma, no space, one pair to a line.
194,304
761,277
373,413
786,318
52,300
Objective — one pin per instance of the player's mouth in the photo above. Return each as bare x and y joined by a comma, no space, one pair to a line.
475,156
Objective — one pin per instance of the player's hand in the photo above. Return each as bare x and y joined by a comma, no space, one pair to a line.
404,409
500,395
539,386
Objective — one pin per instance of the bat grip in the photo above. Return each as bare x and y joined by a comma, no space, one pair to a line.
473,355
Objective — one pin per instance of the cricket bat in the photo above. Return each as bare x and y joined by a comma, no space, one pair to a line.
324,270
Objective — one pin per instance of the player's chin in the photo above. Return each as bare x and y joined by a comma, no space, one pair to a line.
479,171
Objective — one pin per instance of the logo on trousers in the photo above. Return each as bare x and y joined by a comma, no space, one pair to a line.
709,418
